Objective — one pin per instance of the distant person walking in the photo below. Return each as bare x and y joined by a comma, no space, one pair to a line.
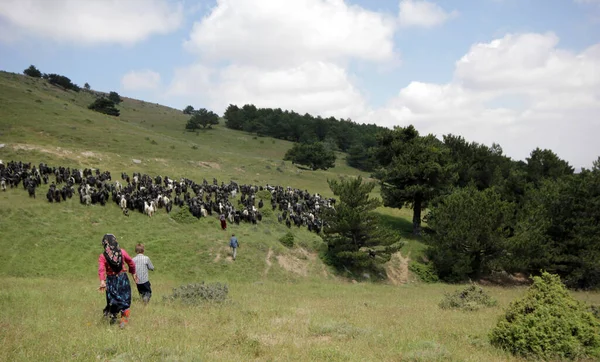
223,222
142,265
234,244
113,279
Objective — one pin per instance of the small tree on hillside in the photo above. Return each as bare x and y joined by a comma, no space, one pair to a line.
188,110
104,105
87,86
32,71
202,117
468,235
354,238
61,81
314,155
115,97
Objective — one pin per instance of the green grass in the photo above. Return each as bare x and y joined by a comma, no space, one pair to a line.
285,304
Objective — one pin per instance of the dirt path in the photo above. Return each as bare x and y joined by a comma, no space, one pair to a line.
268,261
397,269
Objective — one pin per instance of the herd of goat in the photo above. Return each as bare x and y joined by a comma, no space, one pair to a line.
147,195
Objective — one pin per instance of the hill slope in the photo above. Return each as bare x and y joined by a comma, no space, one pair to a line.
43,123
284,303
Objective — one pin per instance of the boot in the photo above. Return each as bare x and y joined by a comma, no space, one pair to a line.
124,318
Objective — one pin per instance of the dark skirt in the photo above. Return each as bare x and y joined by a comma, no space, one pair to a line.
223,224
118,293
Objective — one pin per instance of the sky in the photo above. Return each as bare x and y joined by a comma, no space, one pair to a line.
519,73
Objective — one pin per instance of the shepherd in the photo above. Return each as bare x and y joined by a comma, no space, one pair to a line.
223,222
114,281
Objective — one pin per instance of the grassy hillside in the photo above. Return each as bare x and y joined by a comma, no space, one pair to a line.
285,304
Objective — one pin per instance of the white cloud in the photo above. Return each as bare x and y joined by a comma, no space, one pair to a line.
140,80
422,13
313,87
275,32
284,54
521,91
92,21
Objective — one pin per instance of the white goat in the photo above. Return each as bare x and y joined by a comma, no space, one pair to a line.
149,209
123,202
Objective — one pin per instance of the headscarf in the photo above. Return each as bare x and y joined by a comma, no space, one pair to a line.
112,252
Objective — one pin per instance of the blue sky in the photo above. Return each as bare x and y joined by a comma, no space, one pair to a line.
521,73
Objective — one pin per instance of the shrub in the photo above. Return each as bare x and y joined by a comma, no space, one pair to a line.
548,323
104,105
287,239
172,147
595,310
153,142
198,293
471,298
183,216
425,272
194,147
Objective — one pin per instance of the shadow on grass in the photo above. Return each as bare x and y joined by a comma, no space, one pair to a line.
397,223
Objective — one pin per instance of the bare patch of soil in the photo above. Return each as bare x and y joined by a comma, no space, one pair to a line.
506,280
293,264
57,151
268,261
91,154
397,269
208,164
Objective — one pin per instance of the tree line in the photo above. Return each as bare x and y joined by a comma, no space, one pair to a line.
484,211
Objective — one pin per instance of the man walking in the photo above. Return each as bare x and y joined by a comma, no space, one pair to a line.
234,244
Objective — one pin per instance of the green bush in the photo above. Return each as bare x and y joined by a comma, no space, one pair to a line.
425,272
595,309
287,239
199,293
183,216
470,299
548,323
104,105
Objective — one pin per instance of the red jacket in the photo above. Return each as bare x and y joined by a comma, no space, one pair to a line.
104,268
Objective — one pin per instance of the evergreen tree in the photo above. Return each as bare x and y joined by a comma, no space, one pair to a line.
32,71
468,233
415,170
104,105
202,118
314,155
115,97
354,238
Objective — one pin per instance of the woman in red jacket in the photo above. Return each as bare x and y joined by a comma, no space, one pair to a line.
113,279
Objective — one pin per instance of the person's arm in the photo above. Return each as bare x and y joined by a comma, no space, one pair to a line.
127,259
102,272
131,264
150,266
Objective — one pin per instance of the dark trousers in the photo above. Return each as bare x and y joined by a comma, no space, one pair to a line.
145,290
